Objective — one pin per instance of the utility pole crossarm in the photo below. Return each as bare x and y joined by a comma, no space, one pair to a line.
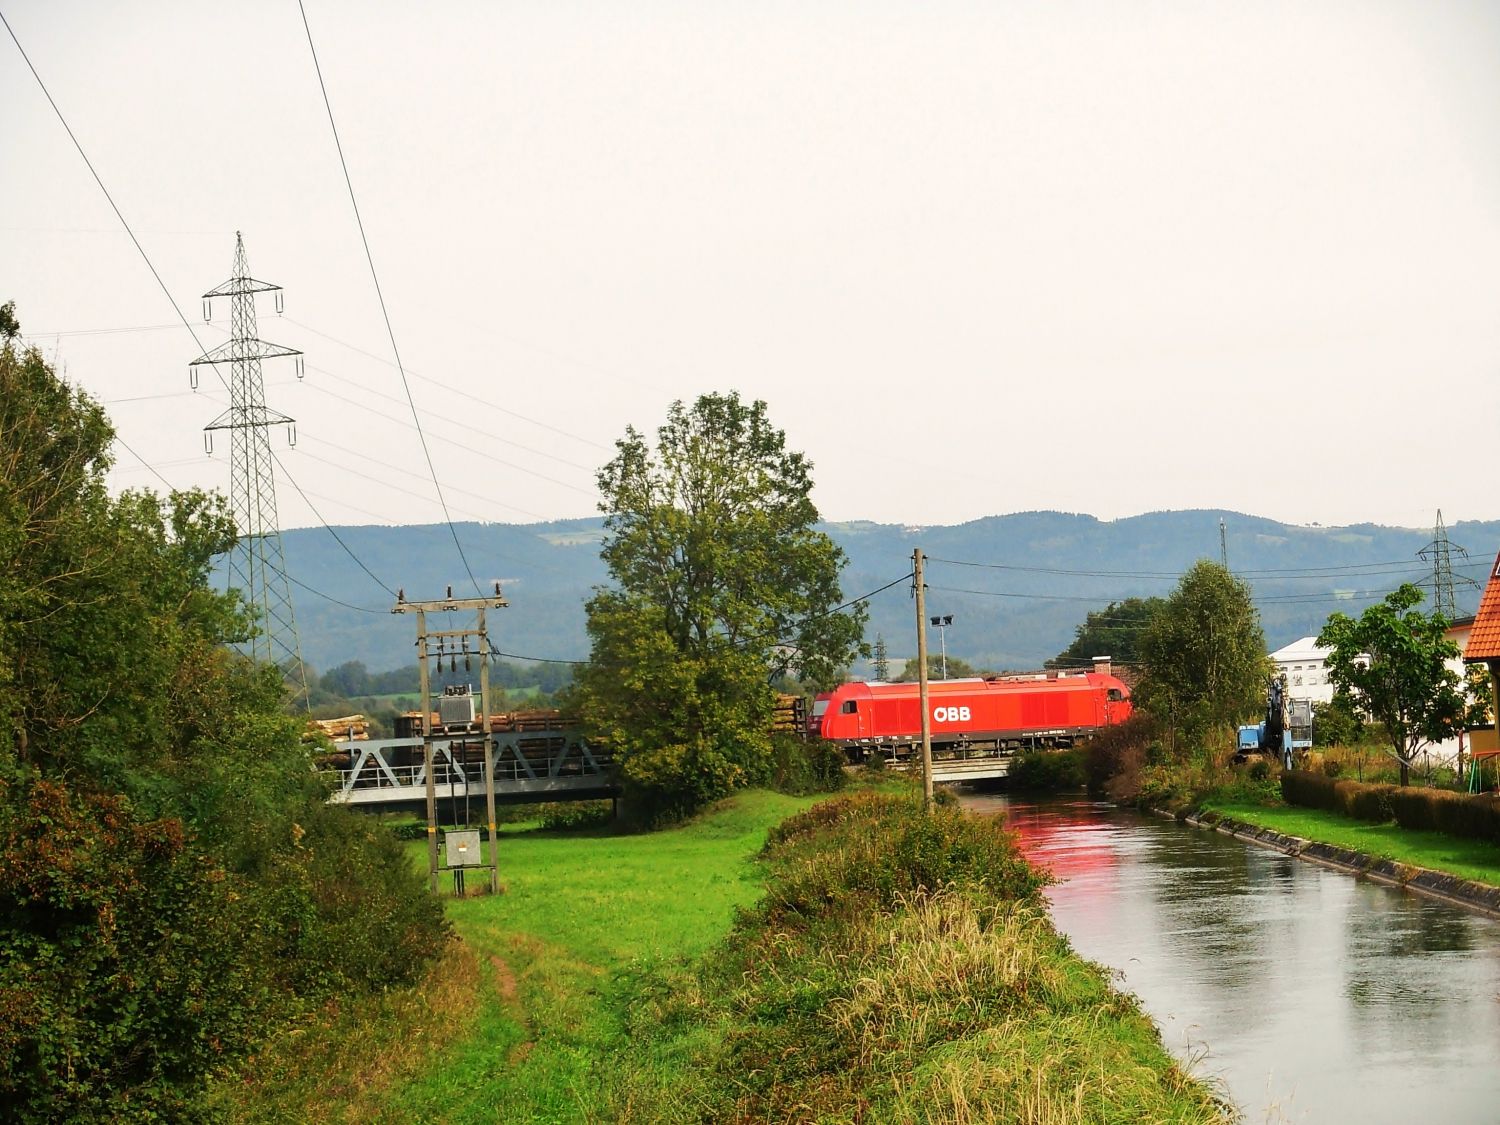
448,604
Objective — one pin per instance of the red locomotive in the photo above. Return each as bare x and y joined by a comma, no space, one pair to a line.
999,713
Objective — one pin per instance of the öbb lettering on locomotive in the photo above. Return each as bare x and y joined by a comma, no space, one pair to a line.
994,712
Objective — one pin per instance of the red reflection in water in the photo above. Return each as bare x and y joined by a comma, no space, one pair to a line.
1067,846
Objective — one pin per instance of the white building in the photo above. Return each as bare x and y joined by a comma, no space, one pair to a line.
1305,667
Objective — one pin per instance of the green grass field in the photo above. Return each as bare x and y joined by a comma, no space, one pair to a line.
514,1023
1468,859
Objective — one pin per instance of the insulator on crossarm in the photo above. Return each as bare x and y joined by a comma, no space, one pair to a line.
208,310
301,368
208,442
291,431
193,377
280,303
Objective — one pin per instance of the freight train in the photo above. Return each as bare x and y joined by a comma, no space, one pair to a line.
996,714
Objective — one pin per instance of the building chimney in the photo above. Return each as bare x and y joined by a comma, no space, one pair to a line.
1102,666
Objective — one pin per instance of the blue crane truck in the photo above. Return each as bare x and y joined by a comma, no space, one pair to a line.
1286,729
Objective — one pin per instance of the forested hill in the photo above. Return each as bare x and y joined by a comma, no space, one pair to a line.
1013,609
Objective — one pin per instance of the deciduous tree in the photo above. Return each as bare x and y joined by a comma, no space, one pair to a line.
1391,663
1203,655
171,877
1115,631
721,582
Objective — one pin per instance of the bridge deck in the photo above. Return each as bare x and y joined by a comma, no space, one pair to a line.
552,764
972,765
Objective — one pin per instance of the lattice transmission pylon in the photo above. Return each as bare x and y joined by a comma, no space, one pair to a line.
1440,553
256,565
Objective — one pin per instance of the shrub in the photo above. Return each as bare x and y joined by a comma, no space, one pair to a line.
1472,817
566,815
1117,754
888,850
1049,770
1310,790
131,965
1363,801
800,766
361,893
1412,808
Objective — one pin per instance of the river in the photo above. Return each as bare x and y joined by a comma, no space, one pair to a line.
1307,995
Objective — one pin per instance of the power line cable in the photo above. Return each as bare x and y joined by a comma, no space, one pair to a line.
405,472
334,600
450,387
458,444
337,537
380,295
461,424
147,464
465,392
154,273
1391,566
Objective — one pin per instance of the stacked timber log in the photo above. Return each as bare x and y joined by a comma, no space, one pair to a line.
409,723
341,729
790,715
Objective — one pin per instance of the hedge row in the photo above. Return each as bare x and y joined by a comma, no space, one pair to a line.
1456,814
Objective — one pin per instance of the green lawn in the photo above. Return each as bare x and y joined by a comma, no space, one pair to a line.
513,1024
1468,859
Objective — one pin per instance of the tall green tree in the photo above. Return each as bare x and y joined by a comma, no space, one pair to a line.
721,583
172,880
1203,655
1115,631
1391,663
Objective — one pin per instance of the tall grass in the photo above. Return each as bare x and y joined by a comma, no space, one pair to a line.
901,967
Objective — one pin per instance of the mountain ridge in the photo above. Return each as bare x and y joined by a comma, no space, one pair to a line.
1016,584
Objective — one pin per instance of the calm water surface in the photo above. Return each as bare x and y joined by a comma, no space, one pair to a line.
1309,995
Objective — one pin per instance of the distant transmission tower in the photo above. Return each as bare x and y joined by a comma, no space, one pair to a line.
256,565
1440,553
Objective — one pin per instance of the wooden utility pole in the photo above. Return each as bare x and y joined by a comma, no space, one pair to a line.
450,604
921,590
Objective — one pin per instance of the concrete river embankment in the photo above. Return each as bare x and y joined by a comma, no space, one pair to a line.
1310,995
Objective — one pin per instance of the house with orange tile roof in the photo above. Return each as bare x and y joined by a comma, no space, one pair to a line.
1482,646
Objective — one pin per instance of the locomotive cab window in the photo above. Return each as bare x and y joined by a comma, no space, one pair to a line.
849,707
1115,695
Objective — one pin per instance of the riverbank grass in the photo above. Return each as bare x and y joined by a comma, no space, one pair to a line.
901,967
872,963
1477,860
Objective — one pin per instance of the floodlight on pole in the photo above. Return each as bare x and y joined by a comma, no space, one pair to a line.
941,624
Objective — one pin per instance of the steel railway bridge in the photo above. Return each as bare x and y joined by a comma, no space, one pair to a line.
549,764
553,763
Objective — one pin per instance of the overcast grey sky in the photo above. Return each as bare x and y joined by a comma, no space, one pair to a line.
979,258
